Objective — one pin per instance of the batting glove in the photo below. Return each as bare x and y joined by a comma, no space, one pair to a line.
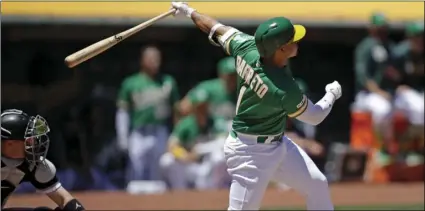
182,9
335,89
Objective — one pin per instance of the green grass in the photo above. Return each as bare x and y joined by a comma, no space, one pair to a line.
372,207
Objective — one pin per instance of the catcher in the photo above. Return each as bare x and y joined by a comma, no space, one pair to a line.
24,145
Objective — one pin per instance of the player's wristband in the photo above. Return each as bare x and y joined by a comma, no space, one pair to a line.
73,205
212,31
223,39
189,12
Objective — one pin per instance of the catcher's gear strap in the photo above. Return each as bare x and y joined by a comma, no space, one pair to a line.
73,205
316,113
212,32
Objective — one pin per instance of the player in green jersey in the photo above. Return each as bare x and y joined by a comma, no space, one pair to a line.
219,92
410,60
409,97
195,152
144,106
256,149
376,79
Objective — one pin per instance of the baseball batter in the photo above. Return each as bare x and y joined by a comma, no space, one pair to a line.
256,149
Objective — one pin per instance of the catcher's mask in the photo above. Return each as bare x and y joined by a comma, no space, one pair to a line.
36,140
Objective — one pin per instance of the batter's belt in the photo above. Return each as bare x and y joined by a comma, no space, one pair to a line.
262,139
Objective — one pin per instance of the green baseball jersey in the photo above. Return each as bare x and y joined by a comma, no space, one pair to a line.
188,132
149,101
221,102
410,64
263,105
372,58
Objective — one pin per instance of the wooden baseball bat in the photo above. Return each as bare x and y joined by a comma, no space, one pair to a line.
103,45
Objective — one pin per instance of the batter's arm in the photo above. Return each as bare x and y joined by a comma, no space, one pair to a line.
314,114
218,34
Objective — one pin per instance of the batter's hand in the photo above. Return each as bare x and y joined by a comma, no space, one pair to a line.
335,89
182,9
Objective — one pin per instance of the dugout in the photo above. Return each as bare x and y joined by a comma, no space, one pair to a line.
36,38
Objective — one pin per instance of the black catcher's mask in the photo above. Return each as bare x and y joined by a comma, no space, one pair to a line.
17,125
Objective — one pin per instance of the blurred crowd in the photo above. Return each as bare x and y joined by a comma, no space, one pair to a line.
167,141
390,81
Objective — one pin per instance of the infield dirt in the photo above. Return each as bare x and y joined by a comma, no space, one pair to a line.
343,194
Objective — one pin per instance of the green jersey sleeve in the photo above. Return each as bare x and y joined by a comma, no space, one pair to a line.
239,43
292,99
124,95
180,131
361,57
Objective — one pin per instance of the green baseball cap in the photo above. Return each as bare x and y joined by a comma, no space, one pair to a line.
414,28
274,33
198,95
378,19
227,65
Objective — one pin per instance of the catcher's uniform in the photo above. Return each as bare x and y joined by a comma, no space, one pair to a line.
14,172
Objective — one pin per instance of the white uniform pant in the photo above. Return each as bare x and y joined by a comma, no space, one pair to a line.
411,103
146,145
208,174
379,107
252,166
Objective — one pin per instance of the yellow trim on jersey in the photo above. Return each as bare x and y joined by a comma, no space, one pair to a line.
302,107
228,43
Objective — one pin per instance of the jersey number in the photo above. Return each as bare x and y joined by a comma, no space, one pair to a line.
241,92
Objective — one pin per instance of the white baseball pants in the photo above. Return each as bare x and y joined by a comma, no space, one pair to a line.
252,166
411,103
146,145
378,106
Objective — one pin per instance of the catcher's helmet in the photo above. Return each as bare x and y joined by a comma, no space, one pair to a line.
18,126
274,33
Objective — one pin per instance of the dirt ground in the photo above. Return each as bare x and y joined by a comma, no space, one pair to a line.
343,194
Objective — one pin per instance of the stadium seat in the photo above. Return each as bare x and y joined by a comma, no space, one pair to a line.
362,137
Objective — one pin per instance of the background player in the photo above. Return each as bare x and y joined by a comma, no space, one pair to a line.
409,96
376,80
24,145
219,93
145,103
256,150
195,153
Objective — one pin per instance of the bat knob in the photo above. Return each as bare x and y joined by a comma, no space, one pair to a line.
69,62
